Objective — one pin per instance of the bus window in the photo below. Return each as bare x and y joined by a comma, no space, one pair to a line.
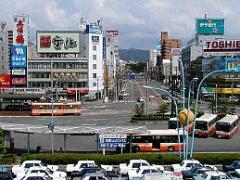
201,125
223,127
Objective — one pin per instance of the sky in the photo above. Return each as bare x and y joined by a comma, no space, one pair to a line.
139,22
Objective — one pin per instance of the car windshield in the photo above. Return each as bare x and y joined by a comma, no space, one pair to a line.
49,171
201,125
223,127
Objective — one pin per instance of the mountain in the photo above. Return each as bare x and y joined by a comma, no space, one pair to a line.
134,54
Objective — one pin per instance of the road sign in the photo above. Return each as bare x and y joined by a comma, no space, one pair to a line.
112,140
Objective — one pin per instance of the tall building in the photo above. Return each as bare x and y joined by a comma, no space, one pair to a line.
4,58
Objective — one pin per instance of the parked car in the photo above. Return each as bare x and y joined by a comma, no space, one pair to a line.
231,167
95,177
55,175
188,164
88,170
136,164
5,173
80,165
212,175
36,176
194,171
16,169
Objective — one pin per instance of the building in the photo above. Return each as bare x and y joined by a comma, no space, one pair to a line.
4,57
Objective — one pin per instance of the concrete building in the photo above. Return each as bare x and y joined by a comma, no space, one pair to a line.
4,57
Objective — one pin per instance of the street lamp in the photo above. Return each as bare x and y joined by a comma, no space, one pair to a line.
176,109
188,106
196,106
182,83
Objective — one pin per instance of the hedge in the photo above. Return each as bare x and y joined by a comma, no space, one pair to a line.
8,159
151,117
164,159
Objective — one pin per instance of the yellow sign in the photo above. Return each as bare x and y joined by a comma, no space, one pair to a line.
228,90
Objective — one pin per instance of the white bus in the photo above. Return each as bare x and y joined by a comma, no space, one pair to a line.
227,127
157,140
172,124
205,125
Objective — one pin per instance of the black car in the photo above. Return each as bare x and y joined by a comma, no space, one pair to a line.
188,174
88,170
231,167
5,174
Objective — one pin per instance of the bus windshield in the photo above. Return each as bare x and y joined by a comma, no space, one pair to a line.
223,127
201,125
172,124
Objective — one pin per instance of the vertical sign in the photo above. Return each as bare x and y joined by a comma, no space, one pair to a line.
20,30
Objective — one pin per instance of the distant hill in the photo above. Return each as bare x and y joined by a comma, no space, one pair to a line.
134,54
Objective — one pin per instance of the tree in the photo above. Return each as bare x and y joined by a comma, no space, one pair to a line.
163,108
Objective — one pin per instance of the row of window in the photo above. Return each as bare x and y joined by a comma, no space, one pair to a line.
57,84
58,65
63,76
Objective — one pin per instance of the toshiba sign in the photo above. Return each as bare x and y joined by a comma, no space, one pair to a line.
222,46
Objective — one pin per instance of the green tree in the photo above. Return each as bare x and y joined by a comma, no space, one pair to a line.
139,109
163,108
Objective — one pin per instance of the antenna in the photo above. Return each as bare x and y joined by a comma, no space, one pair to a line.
205,16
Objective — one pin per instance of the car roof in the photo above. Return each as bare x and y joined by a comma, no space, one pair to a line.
147,167
38,168
138,160
191,161
32,161
86,161
215,173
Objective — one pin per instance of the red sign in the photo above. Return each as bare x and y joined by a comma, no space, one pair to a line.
73,91
19,81
20,38
112,32
5,80
45,41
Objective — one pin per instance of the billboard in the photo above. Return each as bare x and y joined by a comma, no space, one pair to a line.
19,81
220,46
5,80
210,26
176,51
58,42
20,30
18,56
221,63
19,72
112,140
94,29
112,32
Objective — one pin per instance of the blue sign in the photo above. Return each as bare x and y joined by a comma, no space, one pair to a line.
18,56
112,141
94,29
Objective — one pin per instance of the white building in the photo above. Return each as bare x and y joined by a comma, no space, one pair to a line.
4,59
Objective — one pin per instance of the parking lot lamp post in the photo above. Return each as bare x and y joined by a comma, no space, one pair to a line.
196,106
176,109
188,118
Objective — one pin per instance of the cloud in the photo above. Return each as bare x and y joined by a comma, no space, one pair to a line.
139,21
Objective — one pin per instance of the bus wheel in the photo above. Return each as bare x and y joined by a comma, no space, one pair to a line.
136,149
170,148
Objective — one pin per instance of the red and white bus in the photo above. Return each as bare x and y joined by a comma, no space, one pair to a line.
157,140
172,124
227,127
59,108
205,125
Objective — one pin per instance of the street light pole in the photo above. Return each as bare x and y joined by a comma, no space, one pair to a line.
196,105
188,106
182,83
176,110
52,104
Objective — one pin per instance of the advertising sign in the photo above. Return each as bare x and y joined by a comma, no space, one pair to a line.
210,26
58,42
5,80
18,56
176,51
221,46
18,72
112,32
221,63
20,30
94,29
95,38
112,140
19,81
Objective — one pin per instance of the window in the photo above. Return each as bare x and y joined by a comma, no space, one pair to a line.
94,84
94,66
94,48
94,75
94,57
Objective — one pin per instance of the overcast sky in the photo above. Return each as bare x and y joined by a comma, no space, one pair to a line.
138,21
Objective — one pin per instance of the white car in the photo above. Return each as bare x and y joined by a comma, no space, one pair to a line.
39,176
134,165
188,164
95,177
80,164
211,175
55,175
16,169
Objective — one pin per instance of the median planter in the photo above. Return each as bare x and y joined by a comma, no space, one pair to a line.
150,117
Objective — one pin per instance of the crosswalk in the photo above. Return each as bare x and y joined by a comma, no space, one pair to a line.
124,101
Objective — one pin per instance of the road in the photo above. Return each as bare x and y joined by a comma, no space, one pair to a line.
107,114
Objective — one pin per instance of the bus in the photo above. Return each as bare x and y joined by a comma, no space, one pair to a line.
227,127
172,124
205,125
59,108
157,140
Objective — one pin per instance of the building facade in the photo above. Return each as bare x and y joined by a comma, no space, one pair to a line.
4,57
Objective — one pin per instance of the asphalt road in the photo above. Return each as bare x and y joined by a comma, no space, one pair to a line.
107,114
